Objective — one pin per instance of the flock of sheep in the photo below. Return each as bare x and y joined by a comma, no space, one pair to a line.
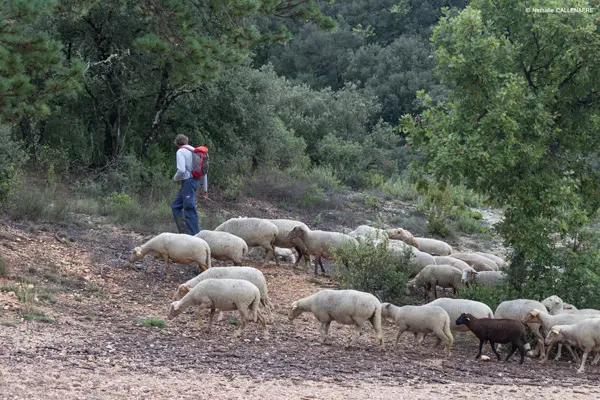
433,263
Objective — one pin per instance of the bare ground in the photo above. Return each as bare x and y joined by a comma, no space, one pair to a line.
96,350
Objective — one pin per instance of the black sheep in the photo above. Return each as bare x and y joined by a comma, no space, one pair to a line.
496,331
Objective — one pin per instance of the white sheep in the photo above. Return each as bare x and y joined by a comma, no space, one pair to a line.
499,261
479,263
249,274
555,305
286,255
548,321
223,295
584,334
256,232
421,319
179,247
418,259
284,227
403,235
434,246
321,243
347,307
224,246
516,309
445,276
487,278
365,232
455,307
455,262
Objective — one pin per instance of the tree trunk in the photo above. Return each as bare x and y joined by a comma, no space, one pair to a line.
160,106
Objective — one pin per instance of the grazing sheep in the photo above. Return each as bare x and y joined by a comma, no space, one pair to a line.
555,305
516,309
489,278
249,274
421,319
256,232
479,263
284,227
468,275
455,307
548,321
584,334
418,260
223,295
364,232
286,255
403,235
496,331
455,262
179,247
224,246
434,246
431,276
499,261
320,243
348,307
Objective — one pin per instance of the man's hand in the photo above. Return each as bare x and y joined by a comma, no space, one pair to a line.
204,195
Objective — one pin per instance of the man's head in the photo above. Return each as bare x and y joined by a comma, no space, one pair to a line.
181,140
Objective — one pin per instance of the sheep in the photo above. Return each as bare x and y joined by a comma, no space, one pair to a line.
286,255
348,307
434,246
284,227
488,278
403,235
547,321
479,263
516,309
249,274
418,259
584,334
256,232
179,247
436,275
555,305
455,262
224,246
320,243
496,331
364,232
499,261
421,319
223,295
455,307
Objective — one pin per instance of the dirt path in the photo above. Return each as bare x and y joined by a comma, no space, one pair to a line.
96,350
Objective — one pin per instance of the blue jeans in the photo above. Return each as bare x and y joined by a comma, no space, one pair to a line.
184,207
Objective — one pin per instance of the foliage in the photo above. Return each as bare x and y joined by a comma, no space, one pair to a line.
520,123
3,268
12,157
150,321
492,296
372,269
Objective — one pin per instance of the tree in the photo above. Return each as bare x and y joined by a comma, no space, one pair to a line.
522,121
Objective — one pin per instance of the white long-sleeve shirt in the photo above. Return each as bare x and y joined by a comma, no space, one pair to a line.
184,167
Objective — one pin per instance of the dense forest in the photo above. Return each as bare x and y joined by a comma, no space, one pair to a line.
353,94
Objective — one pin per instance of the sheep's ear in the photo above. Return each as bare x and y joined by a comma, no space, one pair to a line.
468,319
184,289
555,331
535,313
388,305
294,305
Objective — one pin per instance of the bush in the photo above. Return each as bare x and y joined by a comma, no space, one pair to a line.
492,296
400,188
3,268
12,157
372,269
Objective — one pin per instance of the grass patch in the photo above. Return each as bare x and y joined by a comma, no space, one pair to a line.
129,213
3,268
232,321
400,188
150,321
37,316
10,287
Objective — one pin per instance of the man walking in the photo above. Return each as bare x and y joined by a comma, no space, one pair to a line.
184,205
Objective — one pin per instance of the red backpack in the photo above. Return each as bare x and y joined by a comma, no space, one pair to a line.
199,161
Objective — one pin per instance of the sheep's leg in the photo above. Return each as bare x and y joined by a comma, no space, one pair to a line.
317,259
199,317
321,264
324,329
400,332
166,257
244,315
439,332
421,337
583,359
357,334
576,356
263,324
513,348
437,343
210,319
493,346
558,353
544,358
596,359
481,342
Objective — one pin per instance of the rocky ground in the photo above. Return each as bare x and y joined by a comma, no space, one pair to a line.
93,346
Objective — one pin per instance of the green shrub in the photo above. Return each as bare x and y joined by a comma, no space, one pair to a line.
150,321
492,296
38,316
373,269
465,222
233,188
400,188
12,157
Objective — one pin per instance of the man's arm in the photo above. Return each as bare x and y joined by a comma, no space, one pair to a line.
180,166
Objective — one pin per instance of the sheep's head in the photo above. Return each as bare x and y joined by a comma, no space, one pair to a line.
182,290
136,254
295,311
174,309
464,319
532,316
555,335
553,303
468,275
402,234
385,310
296,233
